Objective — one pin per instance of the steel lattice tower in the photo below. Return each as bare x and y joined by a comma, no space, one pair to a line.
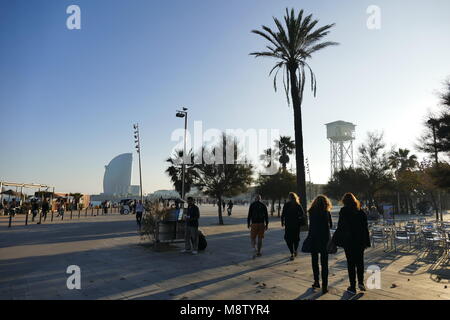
341,135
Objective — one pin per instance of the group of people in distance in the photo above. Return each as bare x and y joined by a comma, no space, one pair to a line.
352,233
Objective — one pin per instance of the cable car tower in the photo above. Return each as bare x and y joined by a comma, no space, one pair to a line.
341,135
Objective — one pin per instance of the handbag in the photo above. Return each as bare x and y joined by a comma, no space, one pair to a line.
331,247
306,246
338,238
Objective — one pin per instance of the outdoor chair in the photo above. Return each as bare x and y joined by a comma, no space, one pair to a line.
432,238
401,235
447,241
412,232
380,235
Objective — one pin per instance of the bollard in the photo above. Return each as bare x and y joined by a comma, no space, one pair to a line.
97,211
79,213
71,213
10,220
86,212
52,217
26,218
92,211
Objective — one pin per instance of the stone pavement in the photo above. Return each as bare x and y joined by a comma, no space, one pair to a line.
117,264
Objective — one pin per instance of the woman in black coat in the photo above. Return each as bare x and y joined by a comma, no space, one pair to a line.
292,218
352,234
320,224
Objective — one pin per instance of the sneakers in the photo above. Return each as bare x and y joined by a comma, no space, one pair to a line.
316,285
292,257
258,254
324,290
362,287
185,251
194,252
351,290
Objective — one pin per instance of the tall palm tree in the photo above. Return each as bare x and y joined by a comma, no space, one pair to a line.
286,147
400,160
292,45
174,171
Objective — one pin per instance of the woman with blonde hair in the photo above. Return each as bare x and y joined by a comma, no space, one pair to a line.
320,224
352,234
292,217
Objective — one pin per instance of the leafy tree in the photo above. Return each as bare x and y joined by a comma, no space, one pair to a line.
405,180
293,45
374,163
222,172
276,187
348,180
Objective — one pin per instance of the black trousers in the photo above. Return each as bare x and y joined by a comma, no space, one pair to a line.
355,264
139,218
323,265
292,238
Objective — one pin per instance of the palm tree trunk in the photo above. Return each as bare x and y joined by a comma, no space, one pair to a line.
299,157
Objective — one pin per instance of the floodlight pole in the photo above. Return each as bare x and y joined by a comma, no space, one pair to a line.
138,148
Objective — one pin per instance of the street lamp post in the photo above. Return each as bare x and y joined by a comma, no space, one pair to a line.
183,114
137,141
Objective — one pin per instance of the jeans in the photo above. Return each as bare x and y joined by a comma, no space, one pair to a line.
355,264
191,236
324,266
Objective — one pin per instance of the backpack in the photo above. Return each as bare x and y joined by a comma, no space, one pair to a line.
202,244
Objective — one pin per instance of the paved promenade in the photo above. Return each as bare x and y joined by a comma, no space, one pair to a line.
117,264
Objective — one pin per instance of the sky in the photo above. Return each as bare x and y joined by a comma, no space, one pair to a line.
69,98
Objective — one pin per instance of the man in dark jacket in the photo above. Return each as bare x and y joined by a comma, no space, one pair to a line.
191,235
258,221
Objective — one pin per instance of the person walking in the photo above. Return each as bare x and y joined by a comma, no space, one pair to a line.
139,213
34,209
60,208
352,234
45,208
320,224
258,223
292,217
230,207
191,235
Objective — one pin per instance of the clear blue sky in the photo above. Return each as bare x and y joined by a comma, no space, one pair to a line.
68,98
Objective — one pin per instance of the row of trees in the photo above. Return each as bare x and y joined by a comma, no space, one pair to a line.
397,176
219,179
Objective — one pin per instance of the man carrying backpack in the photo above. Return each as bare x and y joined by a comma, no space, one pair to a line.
258,221
191,235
